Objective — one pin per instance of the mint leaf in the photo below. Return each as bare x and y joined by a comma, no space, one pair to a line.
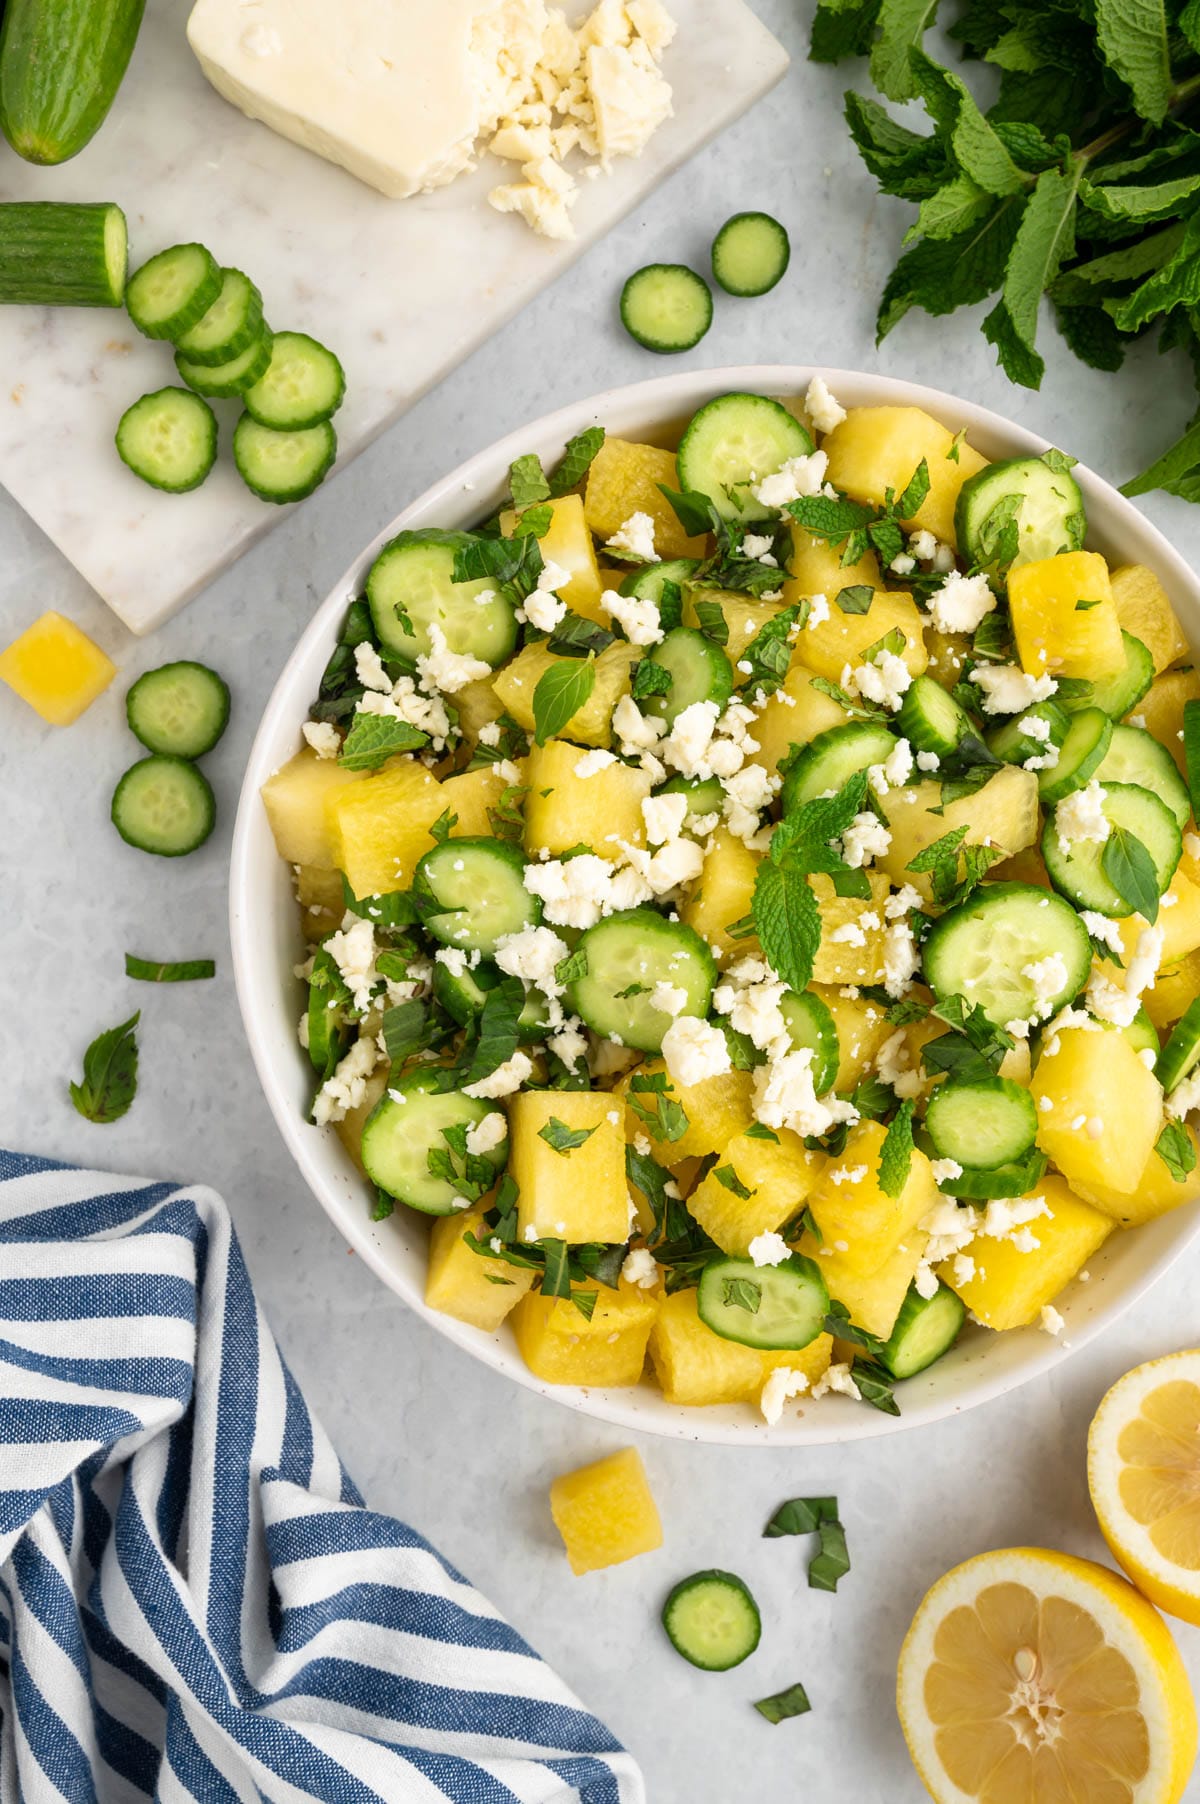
110,1067
148,970
728,1177
742,1293
649,679
1173,470
695,513
403,1030
782,1705
768,654
710,619
1130,869
374,738
443,827
939,275
957,205
1133,40
575,637
833,1561
577,458
560,693
563,1139
902,25
499,1033
1174,283
801,1516
573,967
1177,1150
855,599
534,522
876,1385
527,481
788,922
1191,745
512,565
904,163
1153,200
1045,237
975,147
895,1155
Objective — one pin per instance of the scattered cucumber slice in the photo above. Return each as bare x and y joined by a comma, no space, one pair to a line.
926,1329
283,466
169,439
1013,742
699,672
750,254
1078,871
829,760
411,587
1080,755
1121,692
930,718
982,1125
179,709
1135,756
980,950
810,1024
399,1136
772,1307
627,955
479,884
165,806
666,307
733,442
1178,1057
1045,506
647,583
712,1620
171,293
303,385
231,325
463,998
979,1186
225,381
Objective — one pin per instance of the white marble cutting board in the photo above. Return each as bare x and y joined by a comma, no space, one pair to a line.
403,290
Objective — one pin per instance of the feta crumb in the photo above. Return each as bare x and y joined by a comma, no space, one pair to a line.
1118,1003
1007,689
543,609
668,999
758,546
928,761
902,564
486,1135
1103,929
923,546
640,1268
504,1080
769,1249
818,614
324,739
821,407
1051,1321
636,615
352,950
636,536
781,1385
865,839
1080,816
838,1378
894,772
693,1050
664,817
848,1174
945,1170
1184,1097
592,763
960,603
448,671
347,1087
884,681
798,477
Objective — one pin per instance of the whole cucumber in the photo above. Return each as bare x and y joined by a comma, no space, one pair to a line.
61,63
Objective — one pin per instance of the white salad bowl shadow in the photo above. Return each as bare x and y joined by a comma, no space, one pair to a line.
267,942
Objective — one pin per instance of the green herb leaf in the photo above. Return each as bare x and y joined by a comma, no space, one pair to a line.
649,679
695,513
1191,748
895,1156
575,637
403,1030
728,1178
855,599
768,654
832,1562
148,970
801,1516
507,818
577,458
784,1704
560,693
374,738
527,481
710,618
110,1067
1045,238
666,1117
788,922
499,1034
1130,869
512,564
563,1139
1133,39
573,967
741,1293
443,827
876,1385
902,25
556,1278
534,523
1177,1150
758,1130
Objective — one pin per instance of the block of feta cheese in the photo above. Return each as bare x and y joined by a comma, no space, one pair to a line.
396,91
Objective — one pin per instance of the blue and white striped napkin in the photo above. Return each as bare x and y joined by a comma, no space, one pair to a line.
195,1604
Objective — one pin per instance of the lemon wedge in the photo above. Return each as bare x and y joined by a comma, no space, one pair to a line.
1033,1676
1144,1476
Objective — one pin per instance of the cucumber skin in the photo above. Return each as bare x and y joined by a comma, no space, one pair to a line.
61,63
52,254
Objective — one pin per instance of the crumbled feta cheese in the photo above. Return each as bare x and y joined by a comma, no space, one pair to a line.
687,745
928,761
636,731
369,668
406,702
1080,816
798,477
1007,689
849,934
569,1045
486,1135
640,1268
746,794
749,995
769,1249
352,950
347,1087
884,681
543,609
960,603
636,536
489,733
758,545
1184,1097
324,739
923,546
865,839
902,564
693,1050
592,763
455,960
818,614
900,959
576,892
821,407
446,670
784,1094
664,817
1051,1321
894,772
1049,977
533,955
1119,1003
781,1385
838,1378
504,1080
637,615
945,1170
668,998
895,1066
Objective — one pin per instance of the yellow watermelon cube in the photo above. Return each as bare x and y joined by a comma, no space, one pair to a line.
722,894
300,800
564,809
465,1284
1156,1192
561,1346
349,1129
1099,1109
949,654
755,1188
470,797
1004,812
744,617
577,1194
623,480
694,1366
1174,989
56,668
843,638
852,932
1009,1287
873,1301
606,1512
567,542
476,704
1055,637
381,827
717,1109
817,569
322,901
875,449
862,1027
795,714
1144,609
1161,710
1179,919
590,725
855,1216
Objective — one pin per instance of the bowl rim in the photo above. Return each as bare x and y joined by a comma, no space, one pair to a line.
463,492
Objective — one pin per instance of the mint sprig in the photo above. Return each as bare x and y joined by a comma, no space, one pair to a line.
110,1068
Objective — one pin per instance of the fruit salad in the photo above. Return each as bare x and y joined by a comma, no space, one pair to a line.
752,900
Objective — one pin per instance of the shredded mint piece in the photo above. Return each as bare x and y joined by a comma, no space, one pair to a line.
784,1704
560,693
110,1072
895,1157
728,1178
562,1138
1177,1150
148,970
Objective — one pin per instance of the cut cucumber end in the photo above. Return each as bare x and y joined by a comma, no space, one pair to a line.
116,253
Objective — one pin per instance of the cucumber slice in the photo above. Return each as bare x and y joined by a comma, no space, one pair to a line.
666,307
712,1620
398,1138
930,718
698,669
771,1307
231,325
829,760
179,709
982,1125
1012,742
463,998
1135,756
750,254
171,293
734,441
1045,505
169,439
979,1186
411,587
225,381
1078,872
647,583
1080,756
302,386
810,1023
283,466
1121,692
627,955
980,949
926,1329
480,886
165,806
1142,1036
1178,1057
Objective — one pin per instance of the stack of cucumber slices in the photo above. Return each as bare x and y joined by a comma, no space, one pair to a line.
164,803
289,386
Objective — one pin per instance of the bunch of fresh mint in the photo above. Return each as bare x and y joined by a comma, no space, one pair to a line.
1081,181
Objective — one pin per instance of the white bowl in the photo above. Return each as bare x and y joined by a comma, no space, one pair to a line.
266,940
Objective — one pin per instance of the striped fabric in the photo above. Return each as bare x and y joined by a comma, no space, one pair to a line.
195,1603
